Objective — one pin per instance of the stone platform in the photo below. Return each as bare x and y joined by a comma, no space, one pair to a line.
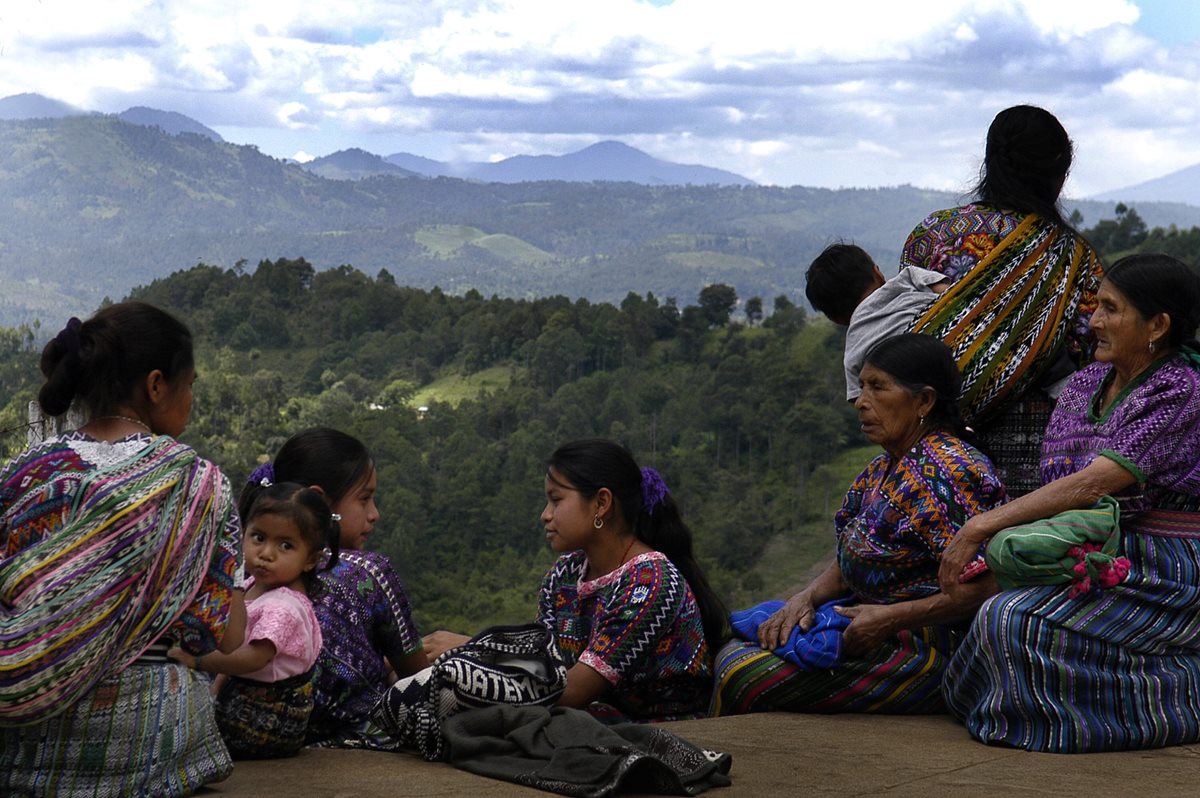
775,755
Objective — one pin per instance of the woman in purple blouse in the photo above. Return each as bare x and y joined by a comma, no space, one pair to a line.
1044,668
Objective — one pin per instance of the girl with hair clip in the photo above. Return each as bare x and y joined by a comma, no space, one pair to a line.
263,710
627,604
363,609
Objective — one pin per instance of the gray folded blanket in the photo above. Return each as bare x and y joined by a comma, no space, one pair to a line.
567,751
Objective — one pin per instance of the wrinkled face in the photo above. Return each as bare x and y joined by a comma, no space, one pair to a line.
171,417
276,554
888,412
568,517
358,511
1122,335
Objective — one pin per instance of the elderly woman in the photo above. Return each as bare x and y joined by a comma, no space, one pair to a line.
1023,285
897,518
1045,668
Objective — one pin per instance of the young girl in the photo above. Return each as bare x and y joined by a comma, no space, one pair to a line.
263,711
627,603
364,612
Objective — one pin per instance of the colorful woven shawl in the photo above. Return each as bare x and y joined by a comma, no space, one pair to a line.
89,599
1007,320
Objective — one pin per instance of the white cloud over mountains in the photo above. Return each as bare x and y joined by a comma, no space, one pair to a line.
864,92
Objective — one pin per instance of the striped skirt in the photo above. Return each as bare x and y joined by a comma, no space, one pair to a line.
904,677
147,731
1114,671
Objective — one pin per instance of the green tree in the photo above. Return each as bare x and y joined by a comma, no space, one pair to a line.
717,302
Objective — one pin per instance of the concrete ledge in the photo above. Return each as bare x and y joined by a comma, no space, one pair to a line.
776,755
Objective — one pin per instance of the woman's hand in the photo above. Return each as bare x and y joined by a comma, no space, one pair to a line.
441,641
963,548
870,626
798,611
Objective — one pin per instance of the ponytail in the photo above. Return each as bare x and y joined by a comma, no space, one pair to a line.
662,528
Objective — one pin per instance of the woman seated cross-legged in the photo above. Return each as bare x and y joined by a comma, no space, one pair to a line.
897,628
627,605
1113,662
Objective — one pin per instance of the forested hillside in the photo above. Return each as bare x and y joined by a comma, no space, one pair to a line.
91,206
746,422
461,398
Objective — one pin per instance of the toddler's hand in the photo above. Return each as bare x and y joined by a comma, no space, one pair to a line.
179,655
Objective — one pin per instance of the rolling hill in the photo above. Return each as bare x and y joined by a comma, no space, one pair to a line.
91,206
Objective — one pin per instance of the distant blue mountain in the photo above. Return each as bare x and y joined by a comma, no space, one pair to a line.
606,161
35,106
167,121
355,164
1180,186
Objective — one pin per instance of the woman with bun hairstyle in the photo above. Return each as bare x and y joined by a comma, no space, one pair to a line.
116,542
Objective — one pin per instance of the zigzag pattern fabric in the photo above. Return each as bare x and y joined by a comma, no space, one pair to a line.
897,518
90,598
639,627
1008,318
900,514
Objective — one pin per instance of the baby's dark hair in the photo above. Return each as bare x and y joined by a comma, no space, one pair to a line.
305,508
837,279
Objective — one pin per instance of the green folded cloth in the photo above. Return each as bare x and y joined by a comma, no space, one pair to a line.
1078,546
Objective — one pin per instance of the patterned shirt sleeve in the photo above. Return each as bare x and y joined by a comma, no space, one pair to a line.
632,622
1158,431
202,624
391,611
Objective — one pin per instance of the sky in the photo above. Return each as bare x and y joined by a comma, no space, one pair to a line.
785,92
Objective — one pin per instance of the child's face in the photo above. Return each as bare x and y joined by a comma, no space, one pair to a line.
358,511
276,554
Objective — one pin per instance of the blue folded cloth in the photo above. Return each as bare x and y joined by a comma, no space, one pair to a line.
820,647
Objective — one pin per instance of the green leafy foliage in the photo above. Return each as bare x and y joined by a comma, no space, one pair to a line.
743,421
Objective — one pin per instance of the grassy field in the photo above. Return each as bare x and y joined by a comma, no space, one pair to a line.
715,260
446,239
455,387
511,249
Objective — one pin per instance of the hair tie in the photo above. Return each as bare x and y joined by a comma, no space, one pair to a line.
68,337
654,490
264,475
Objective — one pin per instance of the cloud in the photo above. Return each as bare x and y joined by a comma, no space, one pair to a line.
866,93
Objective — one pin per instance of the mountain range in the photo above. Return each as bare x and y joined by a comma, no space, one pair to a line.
92,205
606,160
603,161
